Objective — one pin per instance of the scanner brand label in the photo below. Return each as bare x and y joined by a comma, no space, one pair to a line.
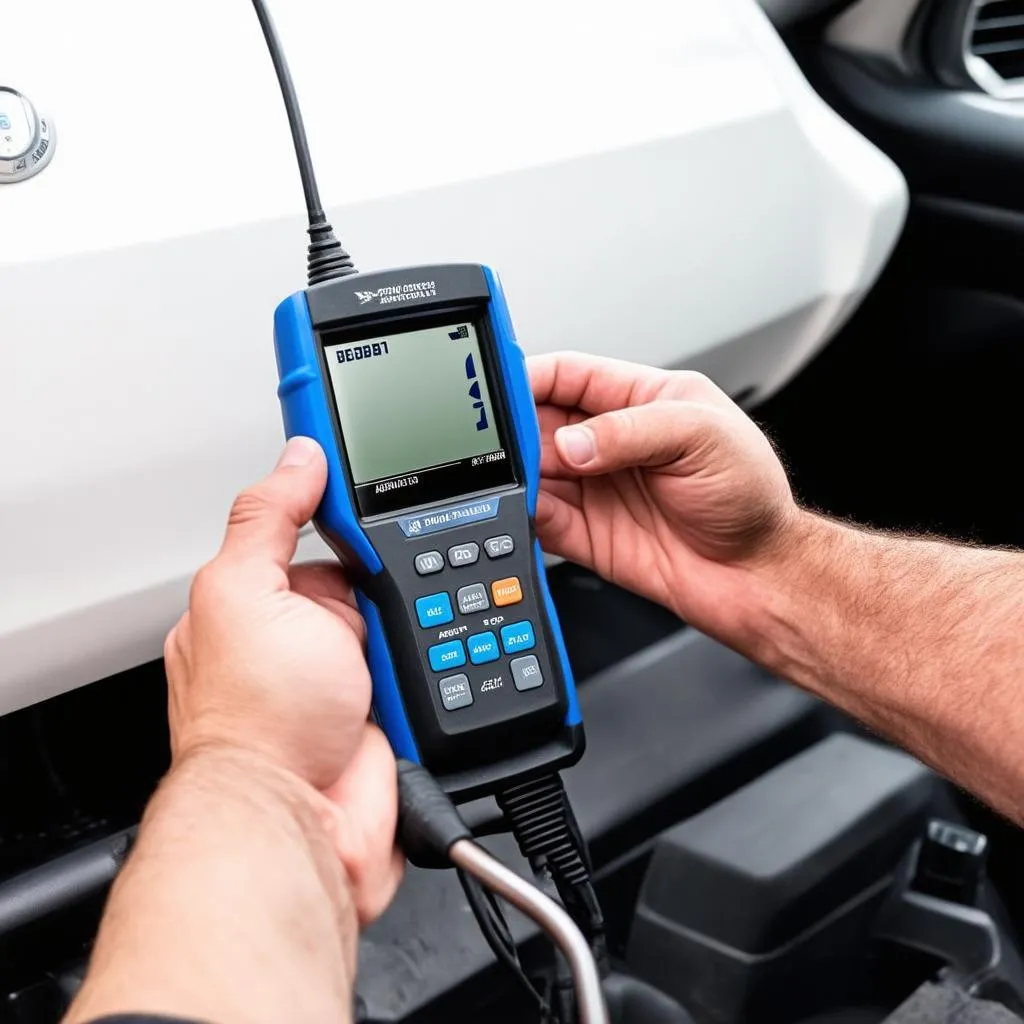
390,294
445,519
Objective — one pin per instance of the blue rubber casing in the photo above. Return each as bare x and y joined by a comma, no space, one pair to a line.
307,411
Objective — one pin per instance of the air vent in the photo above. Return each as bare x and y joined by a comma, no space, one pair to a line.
994,46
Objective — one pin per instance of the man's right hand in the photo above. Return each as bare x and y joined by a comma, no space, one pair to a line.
659,482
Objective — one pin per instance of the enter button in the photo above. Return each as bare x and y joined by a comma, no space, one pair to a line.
507,591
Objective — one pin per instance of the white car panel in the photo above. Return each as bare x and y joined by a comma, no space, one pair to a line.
654,180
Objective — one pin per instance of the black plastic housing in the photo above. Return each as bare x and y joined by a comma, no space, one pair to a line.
744,899
506,734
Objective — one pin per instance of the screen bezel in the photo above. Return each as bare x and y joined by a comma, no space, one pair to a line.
332,334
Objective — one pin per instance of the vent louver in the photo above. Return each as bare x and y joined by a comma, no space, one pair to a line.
995,46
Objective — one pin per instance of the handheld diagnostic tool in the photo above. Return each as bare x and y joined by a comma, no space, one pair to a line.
423,407
412,382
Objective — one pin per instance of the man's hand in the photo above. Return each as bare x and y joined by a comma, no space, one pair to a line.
659,482
272,837
268,661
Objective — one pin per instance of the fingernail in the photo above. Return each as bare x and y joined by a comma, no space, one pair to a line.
299,451
577,445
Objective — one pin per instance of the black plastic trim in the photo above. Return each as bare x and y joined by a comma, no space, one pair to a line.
63,883
951,143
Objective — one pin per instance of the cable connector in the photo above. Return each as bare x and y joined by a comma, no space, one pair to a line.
541,819
538,814
326,260
428,823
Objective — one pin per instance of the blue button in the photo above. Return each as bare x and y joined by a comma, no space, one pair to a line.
483,647
434,610
445,656
518,637
5,123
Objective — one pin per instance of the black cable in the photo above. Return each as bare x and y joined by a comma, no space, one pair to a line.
327,260
496,932
586,893
498,917
488,915
562,993
291,105
541,819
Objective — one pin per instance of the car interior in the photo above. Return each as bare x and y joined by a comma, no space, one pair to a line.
760,858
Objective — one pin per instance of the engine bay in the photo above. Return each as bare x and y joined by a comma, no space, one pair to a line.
754,853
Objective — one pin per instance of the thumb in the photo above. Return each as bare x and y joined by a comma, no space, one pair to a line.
655,434
265,519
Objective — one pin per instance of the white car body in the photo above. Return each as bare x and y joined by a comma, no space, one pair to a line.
653,180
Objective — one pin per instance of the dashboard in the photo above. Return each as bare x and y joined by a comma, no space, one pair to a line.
655,181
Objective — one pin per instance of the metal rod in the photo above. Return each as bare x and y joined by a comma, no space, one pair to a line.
548,914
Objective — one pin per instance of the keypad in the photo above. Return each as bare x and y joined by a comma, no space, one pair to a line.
518,636
504,650
434,610
449,655
483,647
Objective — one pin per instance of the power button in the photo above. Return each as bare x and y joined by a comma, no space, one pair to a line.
26,140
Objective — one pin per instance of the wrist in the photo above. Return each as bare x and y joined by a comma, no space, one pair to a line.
805,598
241,774
257,786
782,592
233,867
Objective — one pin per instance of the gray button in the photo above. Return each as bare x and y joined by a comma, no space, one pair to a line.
473,599
429,562
499,547
456,692
526,673
463,554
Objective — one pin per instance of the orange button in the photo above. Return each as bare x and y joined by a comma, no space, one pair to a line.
506,591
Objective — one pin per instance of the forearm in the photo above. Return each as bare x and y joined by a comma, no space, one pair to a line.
922,640
232,908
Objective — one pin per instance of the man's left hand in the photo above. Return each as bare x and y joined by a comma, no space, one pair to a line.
268,663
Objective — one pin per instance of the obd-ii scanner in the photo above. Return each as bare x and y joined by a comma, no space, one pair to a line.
413,384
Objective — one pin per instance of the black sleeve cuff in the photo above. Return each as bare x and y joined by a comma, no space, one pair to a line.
144,1018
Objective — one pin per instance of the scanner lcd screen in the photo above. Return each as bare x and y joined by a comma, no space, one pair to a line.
417,417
